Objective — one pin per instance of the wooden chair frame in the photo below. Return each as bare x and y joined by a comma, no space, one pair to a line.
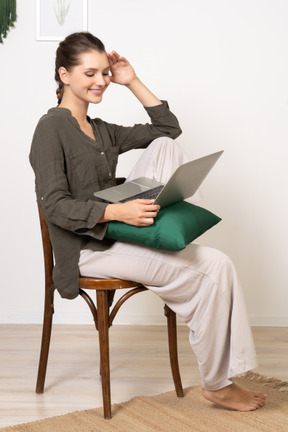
103,318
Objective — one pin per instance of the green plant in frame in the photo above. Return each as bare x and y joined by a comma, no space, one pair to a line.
8,17
61,11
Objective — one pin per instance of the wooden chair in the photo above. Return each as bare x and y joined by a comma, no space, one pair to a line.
103,318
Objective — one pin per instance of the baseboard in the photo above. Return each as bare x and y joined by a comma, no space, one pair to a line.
128,319
268,320
83,318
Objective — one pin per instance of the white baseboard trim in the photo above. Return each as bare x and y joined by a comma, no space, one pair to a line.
82,318
127,319
268,320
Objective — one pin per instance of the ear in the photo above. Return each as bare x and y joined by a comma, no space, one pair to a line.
64,75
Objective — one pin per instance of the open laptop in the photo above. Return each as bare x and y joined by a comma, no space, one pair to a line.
182,184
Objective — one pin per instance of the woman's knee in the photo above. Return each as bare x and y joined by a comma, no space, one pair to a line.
166,143
216,265
162,141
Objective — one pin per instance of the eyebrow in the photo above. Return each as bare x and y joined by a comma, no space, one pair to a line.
94,69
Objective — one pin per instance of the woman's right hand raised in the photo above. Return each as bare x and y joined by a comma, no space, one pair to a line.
140,212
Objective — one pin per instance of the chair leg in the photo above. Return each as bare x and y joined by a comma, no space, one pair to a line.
46,337
103,330
173,351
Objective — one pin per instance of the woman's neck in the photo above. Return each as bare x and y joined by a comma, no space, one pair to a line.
78,110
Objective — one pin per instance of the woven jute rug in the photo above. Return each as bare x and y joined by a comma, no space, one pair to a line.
167,413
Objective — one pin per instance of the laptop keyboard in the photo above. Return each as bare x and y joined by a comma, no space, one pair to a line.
149,194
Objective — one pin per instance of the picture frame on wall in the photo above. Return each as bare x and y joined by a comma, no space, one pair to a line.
55,19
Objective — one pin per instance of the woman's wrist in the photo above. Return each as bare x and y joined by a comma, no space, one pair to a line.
133,83
142,93
109,213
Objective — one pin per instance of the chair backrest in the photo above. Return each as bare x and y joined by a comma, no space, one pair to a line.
47,250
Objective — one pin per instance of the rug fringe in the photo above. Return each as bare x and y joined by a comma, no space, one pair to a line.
272,382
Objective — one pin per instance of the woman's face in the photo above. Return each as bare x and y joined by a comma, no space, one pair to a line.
88,80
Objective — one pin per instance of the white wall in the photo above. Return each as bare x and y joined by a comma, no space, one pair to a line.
223,67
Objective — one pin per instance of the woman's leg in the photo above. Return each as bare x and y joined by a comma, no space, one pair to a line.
201,286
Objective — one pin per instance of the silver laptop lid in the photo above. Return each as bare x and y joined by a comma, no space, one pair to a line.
187,179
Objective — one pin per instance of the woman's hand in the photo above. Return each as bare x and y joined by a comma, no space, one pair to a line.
123,73
140,212
121,70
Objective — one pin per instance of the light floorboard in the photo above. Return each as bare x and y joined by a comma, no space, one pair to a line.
139,366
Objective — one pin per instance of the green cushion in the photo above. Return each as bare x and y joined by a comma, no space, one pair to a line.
174,227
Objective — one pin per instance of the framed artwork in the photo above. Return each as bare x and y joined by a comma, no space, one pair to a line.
55,19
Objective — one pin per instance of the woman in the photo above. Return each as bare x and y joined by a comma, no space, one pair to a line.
74,156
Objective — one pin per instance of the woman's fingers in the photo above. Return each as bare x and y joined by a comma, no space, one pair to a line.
114,57
140,212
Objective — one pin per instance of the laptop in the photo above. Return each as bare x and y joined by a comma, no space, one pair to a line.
182,184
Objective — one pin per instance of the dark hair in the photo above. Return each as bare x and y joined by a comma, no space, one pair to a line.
69,51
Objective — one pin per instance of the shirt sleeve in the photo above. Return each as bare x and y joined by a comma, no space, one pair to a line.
163,123
52,189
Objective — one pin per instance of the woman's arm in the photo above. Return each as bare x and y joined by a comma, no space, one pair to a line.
137,212
124,74
163,121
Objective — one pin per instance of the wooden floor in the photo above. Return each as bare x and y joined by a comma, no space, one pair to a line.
139,366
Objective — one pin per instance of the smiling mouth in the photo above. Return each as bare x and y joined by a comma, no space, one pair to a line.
96,91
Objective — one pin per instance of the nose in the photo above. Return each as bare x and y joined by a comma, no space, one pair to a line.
99,79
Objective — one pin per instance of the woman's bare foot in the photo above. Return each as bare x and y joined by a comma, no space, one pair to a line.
236,398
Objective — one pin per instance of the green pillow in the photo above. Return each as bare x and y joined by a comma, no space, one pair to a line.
174,227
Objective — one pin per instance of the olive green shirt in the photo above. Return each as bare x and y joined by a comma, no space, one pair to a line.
69,167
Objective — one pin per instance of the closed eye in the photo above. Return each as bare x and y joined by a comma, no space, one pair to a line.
91,73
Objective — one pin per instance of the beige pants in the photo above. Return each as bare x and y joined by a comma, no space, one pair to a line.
199,283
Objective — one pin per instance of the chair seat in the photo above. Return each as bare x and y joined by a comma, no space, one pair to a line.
106,284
